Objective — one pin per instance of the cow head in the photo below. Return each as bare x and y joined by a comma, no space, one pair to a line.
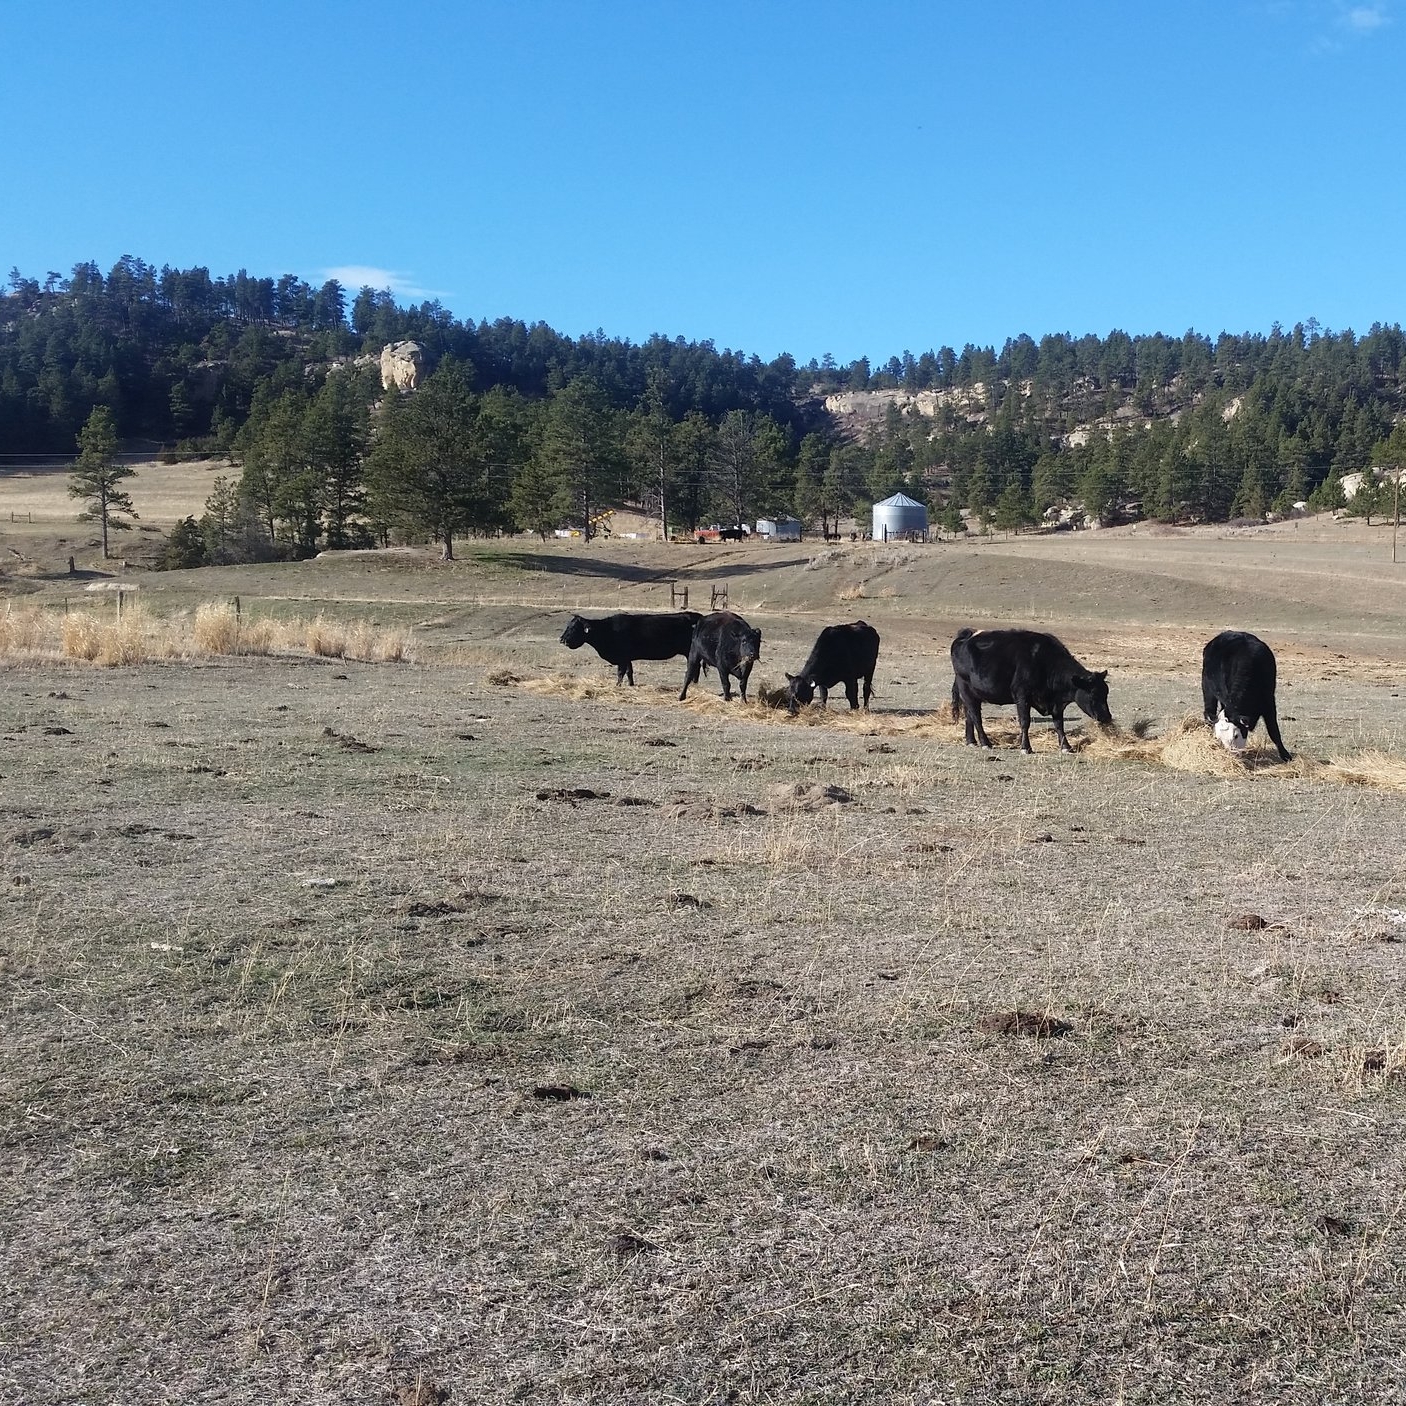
574,636
750,646
1091,695
798,690
1231,733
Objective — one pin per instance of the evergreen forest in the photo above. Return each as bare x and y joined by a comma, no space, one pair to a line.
516,426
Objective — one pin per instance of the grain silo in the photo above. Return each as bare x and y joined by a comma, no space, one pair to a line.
900,517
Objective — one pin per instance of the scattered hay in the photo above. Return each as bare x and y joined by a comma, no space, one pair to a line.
1377,769
1189,745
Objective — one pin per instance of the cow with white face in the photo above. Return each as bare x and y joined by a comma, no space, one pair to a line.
1230,735
1237,688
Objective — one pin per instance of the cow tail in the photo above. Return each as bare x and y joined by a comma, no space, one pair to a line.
965,633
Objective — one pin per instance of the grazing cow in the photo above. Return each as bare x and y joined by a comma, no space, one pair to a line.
729,644
1029,669
841,654
1237,686
623,638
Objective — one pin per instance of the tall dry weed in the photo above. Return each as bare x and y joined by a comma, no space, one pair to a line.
81,636
325,638
217,629
26,631
220,629
110,641
130,640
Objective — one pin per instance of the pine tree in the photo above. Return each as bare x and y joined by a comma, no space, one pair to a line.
1014,509
97,473
426,470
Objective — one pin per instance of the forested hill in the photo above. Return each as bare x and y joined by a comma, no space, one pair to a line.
178,355
546,427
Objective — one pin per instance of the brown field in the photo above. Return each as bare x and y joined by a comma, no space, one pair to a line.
465,1029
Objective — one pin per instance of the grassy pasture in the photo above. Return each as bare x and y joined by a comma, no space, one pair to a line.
380,1032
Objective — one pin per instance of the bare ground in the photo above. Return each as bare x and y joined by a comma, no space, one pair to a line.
373,1032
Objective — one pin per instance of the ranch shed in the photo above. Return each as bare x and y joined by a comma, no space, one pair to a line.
779,529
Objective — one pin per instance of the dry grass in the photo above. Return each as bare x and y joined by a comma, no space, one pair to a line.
498,1033
452,1034
110,640
100,637
1188,745
1191,746
22,631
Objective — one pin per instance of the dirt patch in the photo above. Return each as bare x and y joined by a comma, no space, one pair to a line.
1034,1023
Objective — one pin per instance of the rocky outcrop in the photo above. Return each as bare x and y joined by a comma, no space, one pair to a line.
402,366
859,412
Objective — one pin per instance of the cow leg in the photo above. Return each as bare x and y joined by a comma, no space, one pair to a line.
824,695
1059,731
1022,716
622,672
868,690
1271,726
971,706
690,675
742,677
852,693
1211,704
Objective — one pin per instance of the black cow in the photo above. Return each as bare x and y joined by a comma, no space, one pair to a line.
729,644
1237,686
841,654
1029,669
623,638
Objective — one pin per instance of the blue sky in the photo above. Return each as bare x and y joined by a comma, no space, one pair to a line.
820,177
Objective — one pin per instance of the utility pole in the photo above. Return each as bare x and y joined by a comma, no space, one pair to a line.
663,507
1396,515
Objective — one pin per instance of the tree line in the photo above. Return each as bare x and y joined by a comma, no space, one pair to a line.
521,427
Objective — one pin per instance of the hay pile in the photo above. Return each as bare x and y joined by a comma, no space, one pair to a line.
1188,745
1192,746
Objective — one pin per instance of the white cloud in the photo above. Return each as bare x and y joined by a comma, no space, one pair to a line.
355,277
1363,19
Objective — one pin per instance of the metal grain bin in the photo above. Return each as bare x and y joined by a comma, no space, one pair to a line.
899,516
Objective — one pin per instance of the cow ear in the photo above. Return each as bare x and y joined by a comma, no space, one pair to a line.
1102,674
790,678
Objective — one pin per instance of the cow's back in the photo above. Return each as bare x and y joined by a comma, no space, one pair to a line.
842,652
1236,657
